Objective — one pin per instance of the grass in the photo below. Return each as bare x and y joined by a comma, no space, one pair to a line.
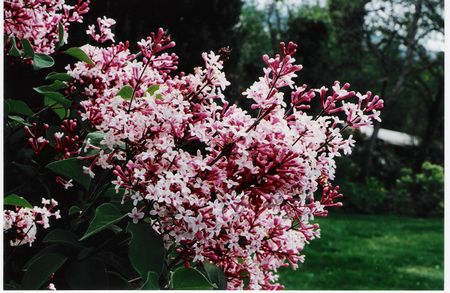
359,252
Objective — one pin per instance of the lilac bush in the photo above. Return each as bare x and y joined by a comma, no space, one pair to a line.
215,188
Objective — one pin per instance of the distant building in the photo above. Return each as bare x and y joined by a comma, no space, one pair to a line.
391,136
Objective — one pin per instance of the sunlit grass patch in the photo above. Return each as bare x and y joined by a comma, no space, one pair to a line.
372,252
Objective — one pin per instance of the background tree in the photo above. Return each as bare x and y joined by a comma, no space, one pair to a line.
396,41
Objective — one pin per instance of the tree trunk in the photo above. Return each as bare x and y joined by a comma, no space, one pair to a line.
433,120
398,87
367,167
410,48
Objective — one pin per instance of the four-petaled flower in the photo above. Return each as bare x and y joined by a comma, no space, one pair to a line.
136,215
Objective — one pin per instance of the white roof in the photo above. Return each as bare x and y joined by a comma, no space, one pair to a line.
391,136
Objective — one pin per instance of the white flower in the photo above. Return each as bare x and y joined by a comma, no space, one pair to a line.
59,135
87,170
68,184
136,197
136,215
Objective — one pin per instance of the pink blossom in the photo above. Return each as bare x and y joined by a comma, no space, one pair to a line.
22,222
136,215
246,199
105,34
38,21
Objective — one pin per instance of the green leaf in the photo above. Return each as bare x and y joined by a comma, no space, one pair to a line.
116,229
79,54
27,48
60,35
11,286
118,263
95,138
59,109
55,86
18,107
59,76
87,274
42,61
105,215
6,109
60,236
215,275
18,121
15,200
117,282
59,98
151,90
152,257
13,51
113,195
189,279
71,168
52,248
152,282
126,92
41,269
29,170
74,210
85,253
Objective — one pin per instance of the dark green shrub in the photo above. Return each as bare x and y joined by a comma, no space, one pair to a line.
421,193
366,197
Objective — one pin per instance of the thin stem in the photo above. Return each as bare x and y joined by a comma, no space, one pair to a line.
20,242
42,110
136,86
191,97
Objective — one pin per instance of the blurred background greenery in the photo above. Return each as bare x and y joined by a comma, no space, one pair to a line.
389,233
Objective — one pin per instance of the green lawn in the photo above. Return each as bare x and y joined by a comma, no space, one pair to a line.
359,252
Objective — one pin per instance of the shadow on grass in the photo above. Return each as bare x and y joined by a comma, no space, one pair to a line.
360,252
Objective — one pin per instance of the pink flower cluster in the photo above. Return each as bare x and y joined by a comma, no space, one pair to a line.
105,34
218,184
66,142
37,21
22,222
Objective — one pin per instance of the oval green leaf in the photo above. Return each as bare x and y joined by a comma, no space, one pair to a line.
55,86
17,121
71,168
42,61
215,275
18,107
74,210
15,200
105,215
41,269
59,98
60,35
152,89
152,282
126,92
189,279
59,76
13,51
152,257
87,274
27,48
60,236
59,109
79,54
